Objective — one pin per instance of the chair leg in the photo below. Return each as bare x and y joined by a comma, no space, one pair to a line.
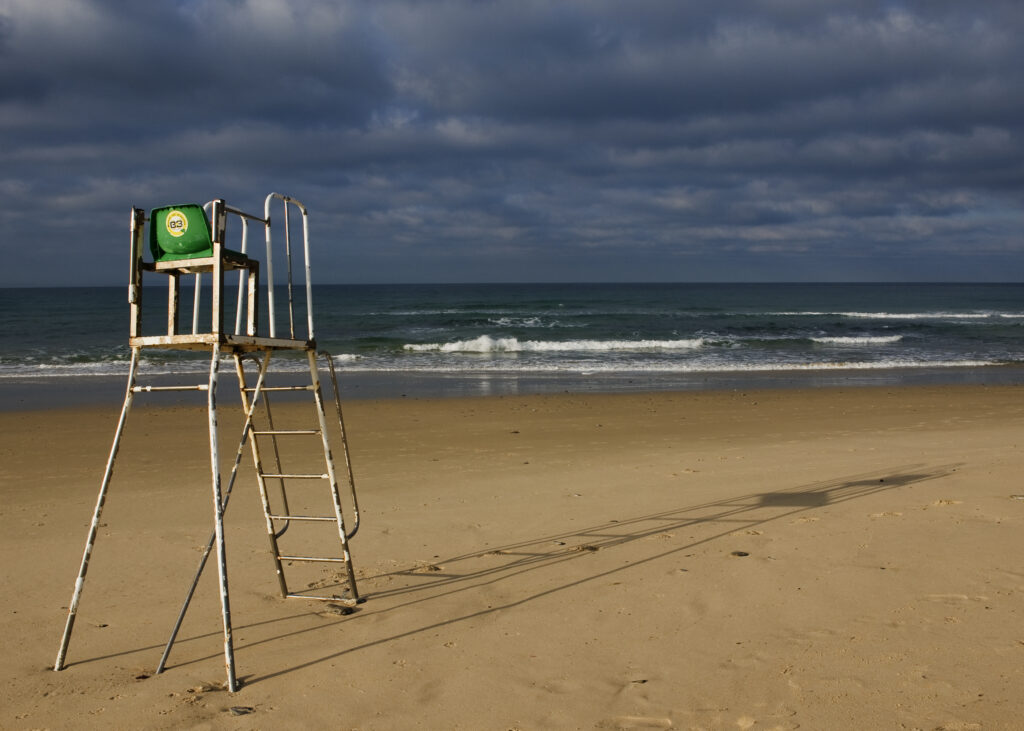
94,527
218,511
250,407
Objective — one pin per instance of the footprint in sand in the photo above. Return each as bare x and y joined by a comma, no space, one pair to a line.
887,514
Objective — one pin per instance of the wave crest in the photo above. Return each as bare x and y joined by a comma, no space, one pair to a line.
488,344
864,340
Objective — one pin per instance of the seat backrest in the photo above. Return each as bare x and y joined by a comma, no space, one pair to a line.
179,232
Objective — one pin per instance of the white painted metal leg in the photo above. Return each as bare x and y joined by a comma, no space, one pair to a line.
329,458
250,407
218,509
94,527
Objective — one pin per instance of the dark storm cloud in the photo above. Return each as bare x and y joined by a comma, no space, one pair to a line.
446,140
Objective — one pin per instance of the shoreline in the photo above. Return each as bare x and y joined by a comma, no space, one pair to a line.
29,393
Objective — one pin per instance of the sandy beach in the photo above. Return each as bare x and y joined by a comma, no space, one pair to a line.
828,558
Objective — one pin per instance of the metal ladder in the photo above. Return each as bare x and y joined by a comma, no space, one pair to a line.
277,511
252,398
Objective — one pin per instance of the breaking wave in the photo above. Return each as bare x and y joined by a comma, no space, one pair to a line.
863,340
488,344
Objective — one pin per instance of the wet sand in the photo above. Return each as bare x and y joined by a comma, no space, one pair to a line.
827,558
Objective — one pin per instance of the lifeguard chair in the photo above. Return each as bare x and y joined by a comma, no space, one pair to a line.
183,241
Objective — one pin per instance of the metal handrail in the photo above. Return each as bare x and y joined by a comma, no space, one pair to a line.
344,444
287,201
243,249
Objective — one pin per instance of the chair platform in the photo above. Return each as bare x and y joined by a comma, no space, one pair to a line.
231,260
228,342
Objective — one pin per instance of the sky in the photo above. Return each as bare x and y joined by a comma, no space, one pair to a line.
524,141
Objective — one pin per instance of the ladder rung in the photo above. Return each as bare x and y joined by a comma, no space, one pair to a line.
278,432
345,602
279,388
199,387
296,477
330,518
312,558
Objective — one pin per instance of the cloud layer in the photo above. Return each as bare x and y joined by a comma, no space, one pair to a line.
523,140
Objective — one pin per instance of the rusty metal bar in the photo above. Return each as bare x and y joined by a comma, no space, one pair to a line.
217,284
253,315
278,476
138,225
147,389
271,312
272,533
285,388
100,500
344,444
172,303
246,431
314,374
309,277
304,517
197,286
287,202
197,281
241,278
218,511
244,216
253,278
288,261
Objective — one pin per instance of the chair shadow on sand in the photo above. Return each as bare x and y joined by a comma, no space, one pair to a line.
473,571
737,513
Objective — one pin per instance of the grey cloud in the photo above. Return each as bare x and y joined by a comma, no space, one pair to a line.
468,140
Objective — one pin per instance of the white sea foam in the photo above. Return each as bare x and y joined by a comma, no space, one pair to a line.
358,364
520,322
917,315
864,340
119,368
664,367
894,315
488,344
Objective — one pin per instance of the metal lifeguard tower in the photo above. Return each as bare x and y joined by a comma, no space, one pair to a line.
184,241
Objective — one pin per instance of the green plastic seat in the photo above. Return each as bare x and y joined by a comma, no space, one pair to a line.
179,232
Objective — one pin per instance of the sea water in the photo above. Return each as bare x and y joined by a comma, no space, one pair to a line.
515,338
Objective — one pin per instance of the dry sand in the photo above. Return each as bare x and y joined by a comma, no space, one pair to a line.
822,559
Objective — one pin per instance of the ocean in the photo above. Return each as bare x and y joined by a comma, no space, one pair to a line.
437,340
